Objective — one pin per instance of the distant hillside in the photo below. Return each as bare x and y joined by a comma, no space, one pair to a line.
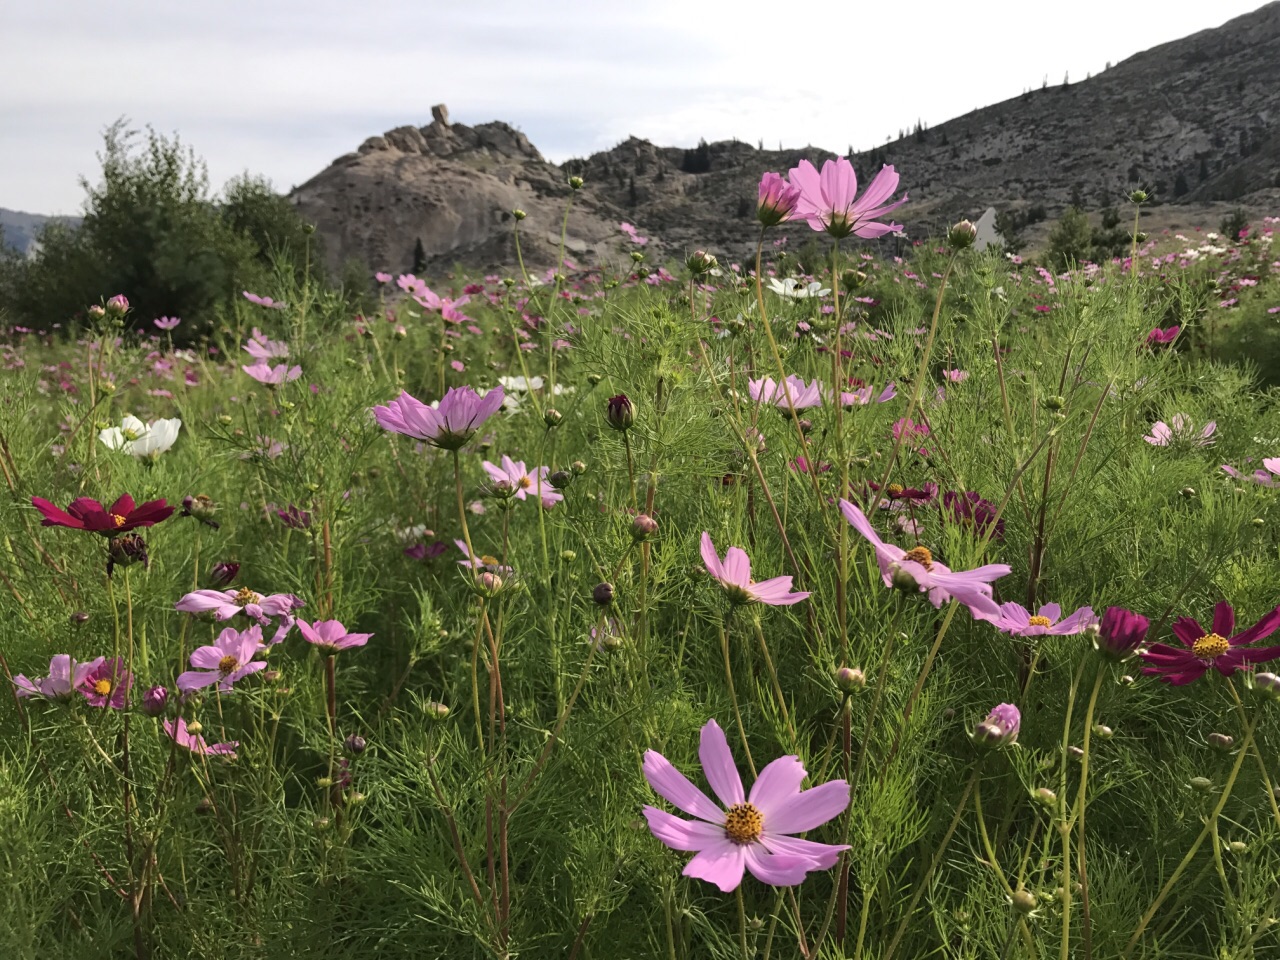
1197,120
20,230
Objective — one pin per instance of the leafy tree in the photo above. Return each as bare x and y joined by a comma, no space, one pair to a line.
697,160
1071,239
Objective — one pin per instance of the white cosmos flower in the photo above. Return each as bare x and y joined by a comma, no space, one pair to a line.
141,439
792,288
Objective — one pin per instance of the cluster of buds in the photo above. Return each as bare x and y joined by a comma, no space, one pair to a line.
126,550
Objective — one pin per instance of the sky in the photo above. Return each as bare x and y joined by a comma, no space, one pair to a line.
282,87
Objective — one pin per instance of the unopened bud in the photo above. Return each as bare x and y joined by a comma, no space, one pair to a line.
435,710
1024,901
195,726
1220,741
489,584
154,701
643,527
79,617
560,479
700,262
1055,402
1238,846
518,213
620,412
575,183
1200,784
1045,797
850,679
1102,731
602,594
1139,197
355,744
637,256
962,235
552,417
118,305
578,468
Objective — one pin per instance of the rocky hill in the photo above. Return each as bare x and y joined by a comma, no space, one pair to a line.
1197,120
20,231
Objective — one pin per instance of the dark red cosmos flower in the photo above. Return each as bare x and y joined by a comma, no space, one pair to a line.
1216,648
121,517
970,510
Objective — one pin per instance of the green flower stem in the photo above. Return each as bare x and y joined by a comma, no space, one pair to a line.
1064,822
1257,754
881,681
933,863
733,693
773,678
1209,826
742,924
919,688
1086,931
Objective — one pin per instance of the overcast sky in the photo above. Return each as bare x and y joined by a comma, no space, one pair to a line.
282,87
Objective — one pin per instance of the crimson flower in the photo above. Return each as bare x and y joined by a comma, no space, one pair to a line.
85,514
1218,648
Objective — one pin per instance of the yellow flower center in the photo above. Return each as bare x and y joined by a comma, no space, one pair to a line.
525,483
245,596
743,823
130,434
1039,621
920,555
227,665
1210,646
894,489
102,687
488,561
118,520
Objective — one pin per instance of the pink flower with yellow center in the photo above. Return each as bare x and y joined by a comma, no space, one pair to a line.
226,660
734,576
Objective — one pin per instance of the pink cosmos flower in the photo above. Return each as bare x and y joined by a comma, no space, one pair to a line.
65,678
630,231
1163,337
754,831
261,347
734,575
1180,430
956,376
1019,621
864,395
226,660
331,636
916,570
107,684
514,479
777,200
1270,477
273,376
263,301
195,743
382,277
225,604
484,562
803,395
829,200
1217,648
167,323
447,424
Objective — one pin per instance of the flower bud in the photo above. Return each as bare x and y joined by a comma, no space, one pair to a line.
400,333
1102,731
1024,901
637,256
96,312
435,710
1074,752
154,701
355,744
700,262
118,305
962,235
1139,197
568,556
1220,741
850,679
1045,797
643,527
560,479
518,213
602,594
1238,846
1187,493
201,507
806,426
552,417
78,618
204,806
195,726
578,468
575,183
1201,784
1120,633
1055,402
902,580
489,584
126,550
1266,685
620,413
222,573
1000,729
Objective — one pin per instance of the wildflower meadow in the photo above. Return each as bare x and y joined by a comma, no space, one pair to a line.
880,607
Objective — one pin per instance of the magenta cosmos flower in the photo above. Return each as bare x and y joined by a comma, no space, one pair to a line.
447,424
734,575
1270,477
1217,648
1120,634
753,831
1018,620
777,200
829,201
1180,429
195,743
107,684
513,479
1000,729
121,517
226,660
916,570
331,636
65,678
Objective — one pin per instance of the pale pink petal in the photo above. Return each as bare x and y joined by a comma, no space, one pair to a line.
737,567
777,592
674,787
718,765
683,834
823,855
722,865
811,808
776,786
777,870
710,557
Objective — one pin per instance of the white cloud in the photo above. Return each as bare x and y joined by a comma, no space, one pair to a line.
281,88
